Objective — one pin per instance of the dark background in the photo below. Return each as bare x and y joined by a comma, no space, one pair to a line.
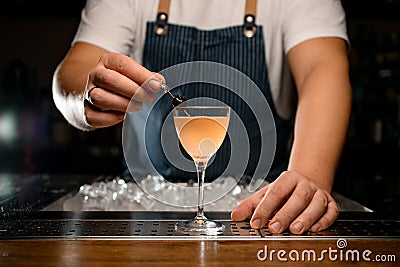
34,137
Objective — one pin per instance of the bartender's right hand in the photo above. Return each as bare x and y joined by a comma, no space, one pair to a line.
117,84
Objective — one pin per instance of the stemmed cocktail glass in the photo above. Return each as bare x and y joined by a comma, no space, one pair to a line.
201,131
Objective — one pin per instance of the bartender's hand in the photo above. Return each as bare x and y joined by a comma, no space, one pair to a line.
112,84
293,201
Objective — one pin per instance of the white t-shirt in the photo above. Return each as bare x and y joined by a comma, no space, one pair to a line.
119,26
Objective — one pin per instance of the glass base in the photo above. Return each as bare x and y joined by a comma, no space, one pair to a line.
200,226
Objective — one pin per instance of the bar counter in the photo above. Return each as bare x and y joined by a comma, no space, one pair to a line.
184,253
149,239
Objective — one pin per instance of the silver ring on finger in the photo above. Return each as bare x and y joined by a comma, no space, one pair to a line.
87,95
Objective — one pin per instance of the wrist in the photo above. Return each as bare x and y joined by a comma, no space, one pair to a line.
321,179
71,106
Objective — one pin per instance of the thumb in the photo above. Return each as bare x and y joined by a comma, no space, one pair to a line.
247,206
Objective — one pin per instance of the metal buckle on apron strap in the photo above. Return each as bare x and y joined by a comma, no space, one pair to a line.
161,24
249,27
162,17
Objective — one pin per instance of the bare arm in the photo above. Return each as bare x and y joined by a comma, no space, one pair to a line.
300,198
320,68
75,67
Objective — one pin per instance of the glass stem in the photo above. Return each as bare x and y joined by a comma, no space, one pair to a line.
201,172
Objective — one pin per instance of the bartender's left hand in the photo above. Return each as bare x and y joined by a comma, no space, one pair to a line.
293,201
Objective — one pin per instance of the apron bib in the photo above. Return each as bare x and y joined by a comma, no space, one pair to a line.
241,47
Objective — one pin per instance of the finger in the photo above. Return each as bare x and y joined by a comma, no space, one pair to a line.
112,81
127,67
123,75
277,193
106,100
134,106
297,202
122,85
154,83
311,214
101,119
328,218
246,207
143,95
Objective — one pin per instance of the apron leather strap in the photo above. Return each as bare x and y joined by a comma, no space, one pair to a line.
163,6
251,7
249,27
162,17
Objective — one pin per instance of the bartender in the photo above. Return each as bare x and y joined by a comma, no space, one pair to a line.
295,52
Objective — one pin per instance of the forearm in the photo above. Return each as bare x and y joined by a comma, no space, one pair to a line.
71,77
70,104
72,74
69,82
321,123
